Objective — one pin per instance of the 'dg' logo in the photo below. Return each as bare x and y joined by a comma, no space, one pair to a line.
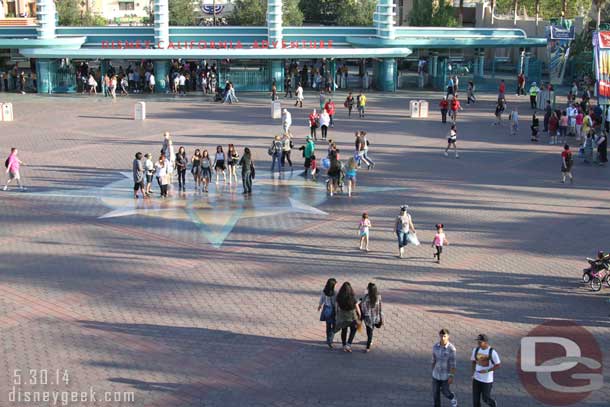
560,363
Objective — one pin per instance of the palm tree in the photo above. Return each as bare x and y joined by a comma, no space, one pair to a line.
599,4
515,5
537,7
493,9
461,18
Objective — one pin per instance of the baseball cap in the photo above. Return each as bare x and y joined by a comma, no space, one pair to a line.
482,338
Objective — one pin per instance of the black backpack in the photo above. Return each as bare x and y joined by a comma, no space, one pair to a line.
6,163
491,350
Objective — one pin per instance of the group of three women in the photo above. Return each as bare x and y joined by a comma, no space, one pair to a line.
343,312
202,166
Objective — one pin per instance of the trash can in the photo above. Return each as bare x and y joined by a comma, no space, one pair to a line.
423,109
139,111
276,109
7,112
414,107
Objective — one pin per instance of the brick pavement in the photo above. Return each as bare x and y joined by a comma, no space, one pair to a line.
147,305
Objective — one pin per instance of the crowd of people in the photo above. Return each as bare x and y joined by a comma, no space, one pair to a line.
344,312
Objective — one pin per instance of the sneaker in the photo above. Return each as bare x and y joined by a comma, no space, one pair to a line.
446,154
5,188
454,402
457,155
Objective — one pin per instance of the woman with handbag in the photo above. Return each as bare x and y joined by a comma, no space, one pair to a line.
405,231
327,308
372,315
347,315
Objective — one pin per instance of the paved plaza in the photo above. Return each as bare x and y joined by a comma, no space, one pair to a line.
211,300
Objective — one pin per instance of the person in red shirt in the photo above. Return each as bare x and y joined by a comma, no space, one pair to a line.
444,105
455,106
330,109
314,123
501,89
553,128
521,84
566,164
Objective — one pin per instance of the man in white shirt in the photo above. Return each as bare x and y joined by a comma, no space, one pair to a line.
571,111
485,361
286,121
151,83
182,83
299,95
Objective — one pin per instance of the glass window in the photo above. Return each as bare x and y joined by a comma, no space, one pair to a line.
126,5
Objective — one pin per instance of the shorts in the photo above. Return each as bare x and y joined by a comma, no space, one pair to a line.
451,140
364,233
206,173
149,178
14,175
350,177
220,165
138,185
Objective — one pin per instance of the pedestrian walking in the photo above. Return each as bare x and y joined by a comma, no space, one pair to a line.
275,151
13,164
567,161
443,369
232,161
288,87
314,123
563,127
326,307
485,361
601,140
181,164
521,84
470,93
553,128
501,90
206,170
324,123
138,176
450,87
347,315
361,104
580,117
365,150
513,118
286,121
163,171
329,107
322,100
444,106
151,83
286,149
273,91
548,112
149,168
363,231
452,141
349,104
219,164
372,313
534,127
403,227
247,170
308,154
196,169
533,91
350,175
439,241
500,107
455,106
299,96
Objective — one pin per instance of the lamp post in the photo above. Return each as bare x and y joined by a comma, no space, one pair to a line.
214,12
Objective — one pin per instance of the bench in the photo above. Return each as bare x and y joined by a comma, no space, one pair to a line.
19,22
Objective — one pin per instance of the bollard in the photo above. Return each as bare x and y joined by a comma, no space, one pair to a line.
423,109
7,112
139,111
414,107
276,109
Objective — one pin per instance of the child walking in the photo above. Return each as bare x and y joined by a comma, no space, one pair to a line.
364,227
451,140
438,242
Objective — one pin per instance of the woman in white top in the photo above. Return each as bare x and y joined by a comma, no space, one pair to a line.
92,84
163,171
324,123
219,164
299,95
403,226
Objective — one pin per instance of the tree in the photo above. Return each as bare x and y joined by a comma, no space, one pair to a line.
356,12
461,18
70,13
320,11
254,13
428,14
182,12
